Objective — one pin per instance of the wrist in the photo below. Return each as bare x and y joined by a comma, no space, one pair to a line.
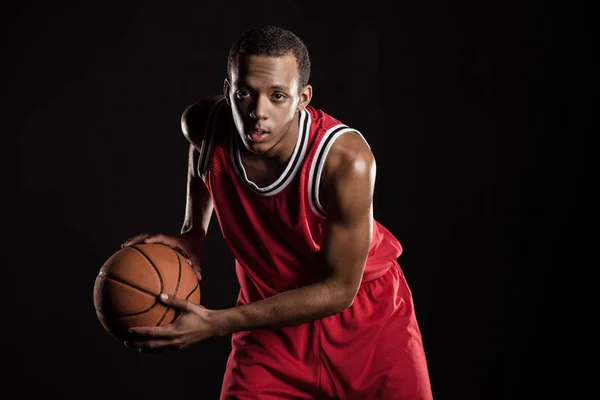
223,321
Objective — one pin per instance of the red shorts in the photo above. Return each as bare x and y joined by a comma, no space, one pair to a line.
372,350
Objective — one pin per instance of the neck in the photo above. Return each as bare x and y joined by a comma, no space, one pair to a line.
282,151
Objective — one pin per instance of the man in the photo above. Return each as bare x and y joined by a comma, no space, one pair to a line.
324,310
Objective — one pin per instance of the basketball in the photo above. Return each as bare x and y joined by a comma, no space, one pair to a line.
128,284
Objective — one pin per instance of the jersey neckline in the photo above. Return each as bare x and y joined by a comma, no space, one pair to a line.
292,167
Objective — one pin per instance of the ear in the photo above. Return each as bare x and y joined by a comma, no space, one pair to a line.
305,97
226,89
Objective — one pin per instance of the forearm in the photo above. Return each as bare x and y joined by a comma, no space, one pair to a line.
292,307
199,204
196,228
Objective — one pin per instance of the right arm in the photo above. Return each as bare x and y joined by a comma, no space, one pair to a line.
199,205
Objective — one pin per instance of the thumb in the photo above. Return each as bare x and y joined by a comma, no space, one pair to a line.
174,301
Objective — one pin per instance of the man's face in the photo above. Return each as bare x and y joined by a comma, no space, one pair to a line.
265,99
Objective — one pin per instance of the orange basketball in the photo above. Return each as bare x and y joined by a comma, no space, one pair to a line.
128,285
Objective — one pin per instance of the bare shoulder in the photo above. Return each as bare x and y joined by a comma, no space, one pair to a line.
348,172
349,157
193,119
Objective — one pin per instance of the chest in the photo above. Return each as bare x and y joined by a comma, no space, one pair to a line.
260,172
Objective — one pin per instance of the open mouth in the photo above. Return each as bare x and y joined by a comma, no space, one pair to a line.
257,136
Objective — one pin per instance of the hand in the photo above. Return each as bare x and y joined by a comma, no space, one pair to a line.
192,326
184,243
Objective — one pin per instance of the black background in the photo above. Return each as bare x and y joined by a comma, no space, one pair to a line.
476,113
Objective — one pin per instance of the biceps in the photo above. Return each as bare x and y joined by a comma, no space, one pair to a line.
345,249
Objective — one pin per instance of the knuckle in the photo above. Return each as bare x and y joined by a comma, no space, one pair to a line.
179,344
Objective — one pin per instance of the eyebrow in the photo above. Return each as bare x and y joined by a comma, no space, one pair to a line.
280,87
274,87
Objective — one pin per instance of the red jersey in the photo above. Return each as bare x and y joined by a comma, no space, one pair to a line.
275,232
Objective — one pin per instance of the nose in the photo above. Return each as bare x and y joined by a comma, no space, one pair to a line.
261,108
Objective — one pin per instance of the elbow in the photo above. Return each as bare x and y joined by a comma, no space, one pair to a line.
348,299
341,298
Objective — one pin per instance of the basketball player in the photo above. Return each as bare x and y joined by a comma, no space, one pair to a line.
324,310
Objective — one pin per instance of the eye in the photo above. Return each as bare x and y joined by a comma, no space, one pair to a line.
240,94
279,96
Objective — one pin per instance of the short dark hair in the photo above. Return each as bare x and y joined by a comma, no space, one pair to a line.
272,41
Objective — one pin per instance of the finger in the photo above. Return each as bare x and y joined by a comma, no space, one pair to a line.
149,333
167,240
174,301
136,239
195,264
161,239
155,346
192,261
182,252
198,274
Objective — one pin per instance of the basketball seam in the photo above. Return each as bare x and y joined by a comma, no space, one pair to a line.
149,291
141,289
176,288
192,291
162,286
180,273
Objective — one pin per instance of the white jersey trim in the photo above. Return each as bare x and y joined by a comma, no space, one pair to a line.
291,169
318,162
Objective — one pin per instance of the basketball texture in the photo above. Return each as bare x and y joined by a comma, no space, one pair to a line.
128,285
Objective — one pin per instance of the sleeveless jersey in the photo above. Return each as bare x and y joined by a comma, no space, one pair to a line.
275,232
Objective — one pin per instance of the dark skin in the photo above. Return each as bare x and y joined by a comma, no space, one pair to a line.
263,93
